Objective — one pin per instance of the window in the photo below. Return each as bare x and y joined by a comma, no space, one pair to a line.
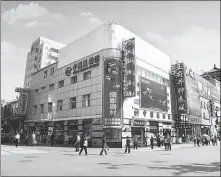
36,91
59,105
61,84
51,87
86,100
164,116
158,115
73,103
204,116
35,109
201,104
169,116
151,114
43,89
204,105
52,71
74,80
34,66
45,74
50,107
36,58
40,51
87,75
36,50
42,108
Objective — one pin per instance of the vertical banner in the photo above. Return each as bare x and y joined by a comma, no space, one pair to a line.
23,99
178,75
112,96
128,48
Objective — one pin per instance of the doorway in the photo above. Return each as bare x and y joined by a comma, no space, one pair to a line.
139,133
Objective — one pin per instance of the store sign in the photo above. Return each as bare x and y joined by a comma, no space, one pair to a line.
21,90
178,75
129,67
112,94
166,126
31,124
23,103
153,95
194,120
83,65
138,123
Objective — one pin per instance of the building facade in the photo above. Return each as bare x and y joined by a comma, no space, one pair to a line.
108,82
195,102
43,53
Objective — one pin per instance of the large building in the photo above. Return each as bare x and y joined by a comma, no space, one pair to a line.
43,53
213,74
109,81
197,102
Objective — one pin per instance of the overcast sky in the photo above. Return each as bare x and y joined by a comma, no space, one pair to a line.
187,31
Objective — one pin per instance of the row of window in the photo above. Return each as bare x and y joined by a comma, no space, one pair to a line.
73,102
51,73
152,76
87,75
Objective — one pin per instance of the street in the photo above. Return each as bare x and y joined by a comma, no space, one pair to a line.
183,160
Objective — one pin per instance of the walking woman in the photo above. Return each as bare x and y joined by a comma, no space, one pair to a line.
17,138
127,146
104,145
77,144
84,145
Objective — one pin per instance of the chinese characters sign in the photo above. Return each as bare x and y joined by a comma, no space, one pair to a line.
180,89
22,104
80,66
112,93
138,123
129,67
153,95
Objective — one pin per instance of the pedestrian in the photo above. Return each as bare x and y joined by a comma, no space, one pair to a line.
52,139
34,142
127,146
104,145
151,141
77,143
17,139
169,142
166,142
135,142
194,140
198,141
84,145
145,141
158,141
26,139
66,139
215,140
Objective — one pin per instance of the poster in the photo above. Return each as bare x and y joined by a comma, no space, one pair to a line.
112,93
153,95
129,68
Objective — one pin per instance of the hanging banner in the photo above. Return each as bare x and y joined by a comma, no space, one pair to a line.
128,48
178,75
112,93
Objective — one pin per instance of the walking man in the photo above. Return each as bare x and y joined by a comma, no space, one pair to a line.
194,140
26,139
84,145
169,142
127,146
17,138
135,142
151,141
52,139
77,144
34,138
198,141
104,145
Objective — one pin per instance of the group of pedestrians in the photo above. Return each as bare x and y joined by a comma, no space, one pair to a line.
205,140
26,138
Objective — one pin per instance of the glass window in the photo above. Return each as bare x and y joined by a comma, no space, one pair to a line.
52,71
86,100
43,89
50,106
61,84
87,75
73,103
36,91
59,105
74,80
51,87
42,108
45,74
35,109
36,58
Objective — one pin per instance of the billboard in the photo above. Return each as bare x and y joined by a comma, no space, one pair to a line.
153,95
129,67
193,97
178,77
112,93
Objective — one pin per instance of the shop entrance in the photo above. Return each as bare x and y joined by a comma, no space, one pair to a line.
140,134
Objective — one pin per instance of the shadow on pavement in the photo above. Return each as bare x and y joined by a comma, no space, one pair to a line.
181,170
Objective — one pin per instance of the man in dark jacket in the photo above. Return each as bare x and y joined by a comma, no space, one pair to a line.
52,139
127,146
104,145
135,142
151,142
84,145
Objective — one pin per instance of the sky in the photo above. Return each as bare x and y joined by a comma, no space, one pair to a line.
187,31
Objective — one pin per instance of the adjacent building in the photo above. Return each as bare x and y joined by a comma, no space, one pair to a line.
197,102
110,82
43,52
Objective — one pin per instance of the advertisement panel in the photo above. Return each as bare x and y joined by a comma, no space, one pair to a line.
193,97
178,77
129,67
153,95
112,94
